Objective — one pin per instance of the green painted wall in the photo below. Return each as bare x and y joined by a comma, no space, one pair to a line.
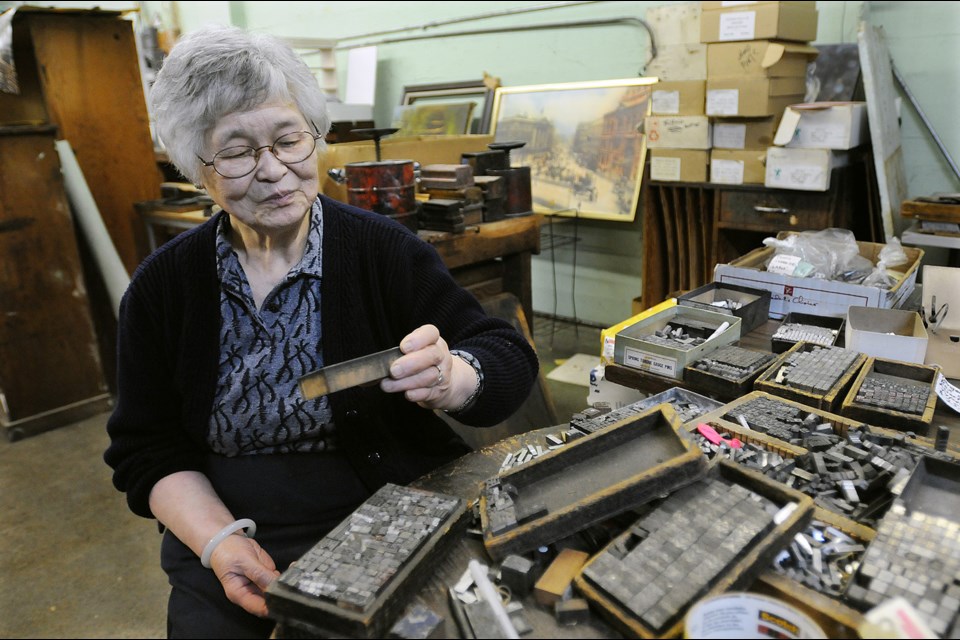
924,40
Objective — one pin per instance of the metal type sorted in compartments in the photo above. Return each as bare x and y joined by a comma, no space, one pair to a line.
850,475
682,548
915,556
733,362
895,395
816,370
822,558
355,562
590,420
795,332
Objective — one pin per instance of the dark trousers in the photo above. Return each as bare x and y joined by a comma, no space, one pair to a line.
295,500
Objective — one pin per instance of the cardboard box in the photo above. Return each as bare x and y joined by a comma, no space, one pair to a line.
759,58
886,333
824,125
802,169
733,166
820,297
679,98
631,350
752,96
675,24
423,149
753,312
679,62
608,336
766,21
679,165
744,133
943,283
677,132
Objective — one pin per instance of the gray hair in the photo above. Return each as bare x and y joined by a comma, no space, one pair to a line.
220,70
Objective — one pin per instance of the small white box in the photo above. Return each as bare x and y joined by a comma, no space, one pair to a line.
802,169
823,125
886,333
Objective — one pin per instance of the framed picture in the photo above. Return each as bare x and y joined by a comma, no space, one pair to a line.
582,144
478,92
442,118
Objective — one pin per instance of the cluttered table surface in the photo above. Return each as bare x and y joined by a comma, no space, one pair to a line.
549,464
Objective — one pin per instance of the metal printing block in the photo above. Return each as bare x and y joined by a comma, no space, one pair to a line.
796,332
822,558
733,362
816,370
518,573
501,511
915,556
683,548
896,396
418,623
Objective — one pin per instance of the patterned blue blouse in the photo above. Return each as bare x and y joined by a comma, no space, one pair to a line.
258,407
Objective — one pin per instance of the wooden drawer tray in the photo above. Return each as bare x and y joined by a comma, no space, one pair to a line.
831,395
619,467
686,403
779,345
776,210
829,610
917,377
398,534
768,414
702,540
715,382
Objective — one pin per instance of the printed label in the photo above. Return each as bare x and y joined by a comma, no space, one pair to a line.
729,136
804,176
666,169
783,265
723,102
948,393
823,136
740,25
726,171
666,102
651,362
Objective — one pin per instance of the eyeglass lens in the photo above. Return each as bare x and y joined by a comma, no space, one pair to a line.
236,162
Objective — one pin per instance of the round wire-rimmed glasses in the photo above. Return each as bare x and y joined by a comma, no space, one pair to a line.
241,160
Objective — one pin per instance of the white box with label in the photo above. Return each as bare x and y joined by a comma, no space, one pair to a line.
802,169
823,125
631,349
886,333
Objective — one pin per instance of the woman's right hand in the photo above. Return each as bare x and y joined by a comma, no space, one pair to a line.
245,570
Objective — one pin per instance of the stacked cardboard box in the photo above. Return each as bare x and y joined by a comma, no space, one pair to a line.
678,132
757,56
812,140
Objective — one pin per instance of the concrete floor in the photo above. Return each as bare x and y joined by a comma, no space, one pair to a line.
76,563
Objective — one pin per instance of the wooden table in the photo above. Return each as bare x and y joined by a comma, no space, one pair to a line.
486,259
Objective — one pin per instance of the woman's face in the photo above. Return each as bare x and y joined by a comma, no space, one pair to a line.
274,196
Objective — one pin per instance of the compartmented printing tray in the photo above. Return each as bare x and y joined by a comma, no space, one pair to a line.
598,476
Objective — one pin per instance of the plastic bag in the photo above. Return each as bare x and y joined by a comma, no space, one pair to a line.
891,255
823,254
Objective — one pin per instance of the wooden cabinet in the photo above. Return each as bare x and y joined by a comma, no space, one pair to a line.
688,228
50,368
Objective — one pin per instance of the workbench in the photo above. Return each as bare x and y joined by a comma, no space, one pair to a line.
486,259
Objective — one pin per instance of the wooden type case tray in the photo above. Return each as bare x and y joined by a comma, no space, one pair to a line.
717,386
740,574
598,476
829,401
831,613
359,578
890,418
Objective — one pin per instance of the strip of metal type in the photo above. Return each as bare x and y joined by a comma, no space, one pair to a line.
351,373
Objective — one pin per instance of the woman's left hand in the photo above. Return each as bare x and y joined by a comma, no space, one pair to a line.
427,374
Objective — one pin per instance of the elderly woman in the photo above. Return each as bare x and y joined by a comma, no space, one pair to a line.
210,434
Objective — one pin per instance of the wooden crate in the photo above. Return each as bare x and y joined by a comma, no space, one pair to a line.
897,420
619,467
719,387
740,575
830,401
831,613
